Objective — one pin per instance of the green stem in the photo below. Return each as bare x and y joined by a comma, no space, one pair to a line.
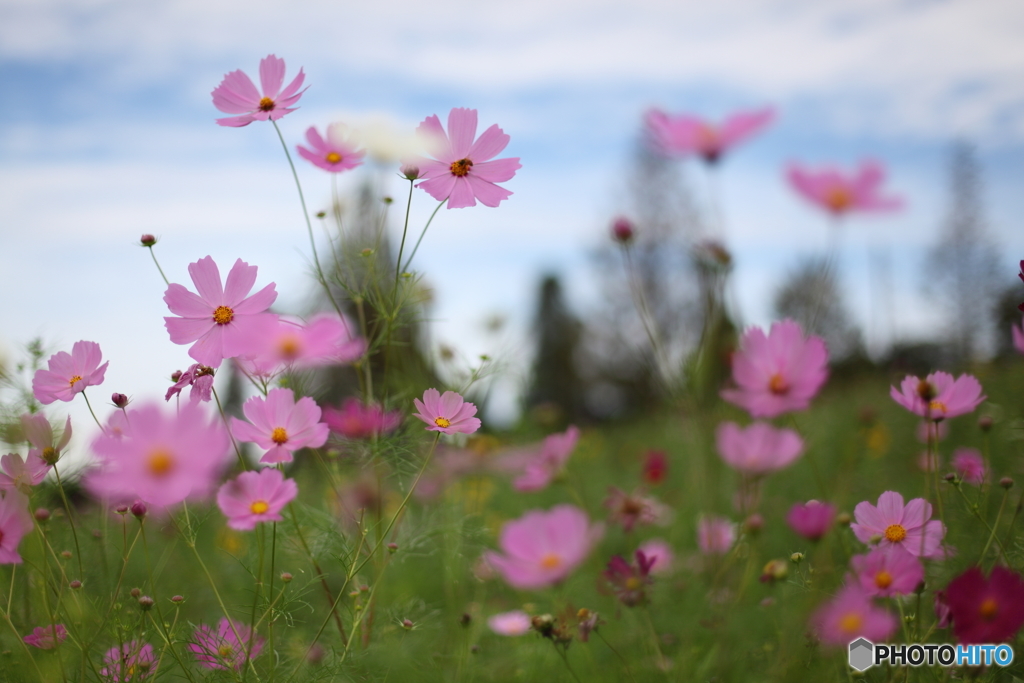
89,405
166,281
995,525
416,247
71,521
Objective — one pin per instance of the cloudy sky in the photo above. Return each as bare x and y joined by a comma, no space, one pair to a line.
107,132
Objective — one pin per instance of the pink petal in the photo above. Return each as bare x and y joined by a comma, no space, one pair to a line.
188,330
187,304
890,508
271,75
497,171
441,187
206,277
291,94
462,131
258,302
240,280
435,139
236,121
236,94
488,145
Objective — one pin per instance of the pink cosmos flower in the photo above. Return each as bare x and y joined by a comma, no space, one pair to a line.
715,535
542,548
1018,336
1021,276
226,648
655,467
628,510
356,421
160,455
133,661
629,582
779,372
465,169
39,433
939,396
660,554
326,340
69,374
337,153
22,475
254,497
758,449
813,520
281,425
838,193
237,94
447,413
896,524
47,637
15,522
222,321
986,610
851,615
969,465
683,135
545,465
887,571
199,377
514,623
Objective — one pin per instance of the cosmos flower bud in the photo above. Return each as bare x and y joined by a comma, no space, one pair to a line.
42,515
286,577
321,214
950,476
177,599
135,593
407,625
465,619
176,375
796,558
66,554
392,547
145,603
844,519
316,654
119,400
75,585
410,171
775,570
147,240
139,509
121,509
1006,482
985,423
622,230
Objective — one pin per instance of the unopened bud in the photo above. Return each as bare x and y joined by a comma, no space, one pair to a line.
147,240
135,592
465,619
844,519
321,214
286,577
366,252
775,570
796,558
144,666
42,515
387,200
753,524
474,649
410,171
75,585
950,476
316,654
985,423
407,625
66,554
622,230
392,547
176,375
1006,483
121,509
139,509
178,599
119,400
145,603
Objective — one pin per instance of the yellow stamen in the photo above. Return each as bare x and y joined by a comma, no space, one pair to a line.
266,104
225,651
550,561
442,422
778,385
461,167
894,533
937,407
258,507
160,463
279,435
75,379
851,623
222,315
883,579
838,198
989,609
633,583
333,158
289,347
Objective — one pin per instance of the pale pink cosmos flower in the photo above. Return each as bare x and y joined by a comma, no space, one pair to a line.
336,152
630,509
132,661
226,647
160,455
356,421
199,377
222,321
851,615
69,373
813,520
542,548
1018,336
682,135
447,413
660,554
778,372
715,535
254,497
758,448
938,396
969,465
237,94
887,571
22,474
545,464
839,193
514,623
47,637
281,425
39,433
327,339
15,522
896,524
465,169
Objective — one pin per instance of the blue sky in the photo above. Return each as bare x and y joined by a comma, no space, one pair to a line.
107,132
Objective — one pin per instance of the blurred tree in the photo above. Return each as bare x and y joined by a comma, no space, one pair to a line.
555,396
811,296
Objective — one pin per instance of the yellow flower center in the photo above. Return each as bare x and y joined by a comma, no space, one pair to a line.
937,407
266,104
279,435
49,454
289,347
226,650
989,609
160,463
461,167
883,579
333,158
778,385
550,561
894,533
851,623
258,507
442,422
633,583
74,380
838,198
222,315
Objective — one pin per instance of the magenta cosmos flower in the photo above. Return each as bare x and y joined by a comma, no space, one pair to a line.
683,135
715,535
69,374
630,509
840,194
542,548
281,425
226,647
758,449
660,554
887,571
336,152
356,421
223,322
160,455
896,524
254,497
777,373
938,396
813,520
851,615
237,94
969,465
514,623
1018,335
47,637
465,169
15,522
629,581
986,610
199,377
447,413
545,464
132,661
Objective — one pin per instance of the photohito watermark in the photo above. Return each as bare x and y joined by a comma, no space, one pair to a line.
864,654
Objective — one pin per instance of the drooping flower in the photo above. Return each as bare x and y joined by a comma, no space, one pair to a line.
683,135
281,425
759,448
447,413
356,421
887,571
778,372
22,474
969,465
896,524
813,520
254,497
660,554
514,623
630,509
547,463
839,193
237,94
15,522
465,169
336,153
1018,335
199,377
542,548
851,615
986,610
47,637
39,433
655,467
715,535
327,339
222,321
629,582
69,373
226,647
939,396
132,661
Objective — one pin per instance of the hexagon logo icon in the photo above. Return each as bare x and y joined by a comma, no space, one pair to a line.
862,654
